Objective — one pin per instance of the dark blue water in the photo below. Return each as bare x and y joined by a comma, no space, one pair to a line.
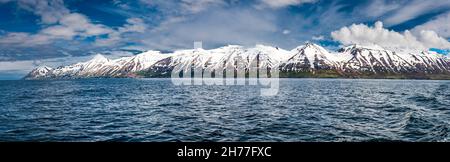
156,110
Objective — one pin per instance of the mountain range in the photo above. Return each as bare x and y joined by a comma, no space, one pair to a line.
309,60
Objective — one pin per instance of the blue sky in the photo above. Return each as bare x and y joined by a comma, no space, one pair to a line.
57,32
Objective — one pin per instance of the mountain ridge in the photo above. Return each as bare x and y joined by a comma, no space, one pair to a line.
309,60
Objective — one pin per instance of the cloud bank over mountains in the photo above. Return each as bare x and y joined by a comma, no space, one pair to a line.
366,35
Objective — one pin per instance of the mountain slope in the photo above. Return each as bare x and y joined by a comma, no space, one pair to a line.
213,61
39,73
310,57
309,60
100,66
375,60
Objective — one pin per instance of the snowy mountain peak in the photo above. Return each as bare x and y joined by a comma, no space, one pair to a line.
310,57
306,60
43,69
39,72
316,47
99,58
310,44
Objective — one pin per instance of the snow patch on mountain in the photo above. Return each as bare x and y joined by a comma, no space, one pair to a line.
352,59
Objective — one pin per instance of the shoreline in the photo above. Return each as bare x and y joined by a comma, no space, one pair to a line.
342,78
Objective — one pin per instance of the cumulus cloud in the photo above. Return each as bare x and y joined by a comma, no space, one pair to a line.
366,35
284,3
431,39
440,25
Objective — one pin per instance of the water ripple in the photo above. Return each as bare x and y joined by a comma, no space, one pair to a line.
156,110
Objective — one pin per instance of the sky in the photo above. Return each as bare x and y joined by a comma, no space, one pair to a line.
60,32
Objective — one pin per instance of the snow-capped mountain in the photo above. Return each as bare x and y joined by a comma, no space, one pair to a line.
40,72
310,57
100,66
375,59
229,57
309,60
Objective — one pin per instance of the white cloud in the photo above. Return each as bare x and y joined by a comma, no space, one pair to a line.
366,35
413,9
72,25
284,3
184,6
116,36
68,27
200,5
50,11
65,25
440,25
317,38
399,11
59,31
133,25
285,32
24,39
431,39
121,4
217,27
379,7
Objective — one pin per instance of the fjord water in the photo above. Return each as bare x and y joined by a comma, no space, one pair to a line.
157,110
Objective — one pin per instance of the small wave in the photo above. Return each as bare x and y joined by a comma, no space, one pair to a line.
398,109
216,133
169,104
420,128
254,131
439,133
86,91
415,122
102,110
379,106
383,92
25,97
421,98
182,118
44,102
